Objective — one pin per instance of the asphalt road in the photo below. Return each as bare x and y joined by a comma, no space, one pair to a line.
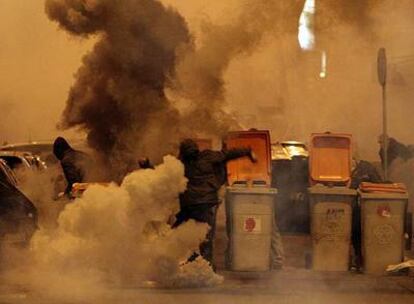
286,286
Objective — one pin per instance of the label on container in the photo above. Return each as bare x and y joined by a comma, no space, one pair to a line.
335,214
252,224
384,211
332,225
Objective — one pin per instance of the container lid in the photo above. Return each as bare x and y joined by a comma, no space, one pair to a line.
383,195
321,189
387,188
330,158
243,169
252,190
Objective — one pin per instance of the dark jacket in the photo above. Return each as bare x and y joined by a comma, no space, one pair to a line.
145,163
74,163
206,173
396,150
364,172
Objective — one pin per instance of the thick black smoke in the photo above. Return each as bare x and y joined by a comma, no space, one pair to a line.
118,96
143,48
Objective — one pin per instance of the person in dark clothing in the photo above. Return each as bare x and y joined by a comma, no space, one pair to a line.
364,171
145,163
204,171
395,150
74,163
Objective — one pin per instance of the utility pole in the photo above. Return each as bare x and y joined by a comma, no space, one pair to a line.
382,79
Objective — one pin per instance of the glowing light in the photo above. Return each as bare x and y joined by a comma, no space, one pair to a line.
323,73
306,34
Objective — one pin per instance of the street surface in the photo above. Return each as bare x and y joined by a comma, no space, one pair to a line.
286,286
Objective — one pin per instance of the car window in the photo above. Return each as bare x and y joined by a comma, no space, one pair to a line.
6,174
13,162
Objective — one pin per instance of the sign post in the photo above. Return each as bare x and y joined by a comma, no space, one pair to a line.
382,79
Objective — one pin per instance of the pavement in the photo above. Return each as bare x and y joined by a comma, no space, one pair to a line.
290,285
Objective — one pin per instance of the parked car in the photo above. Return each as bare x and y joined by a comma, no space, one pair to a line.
18,215
22,160
44,150
6,174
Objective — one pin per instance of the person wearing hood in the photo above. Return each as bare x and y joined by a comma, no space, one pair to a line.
145,163
205,171
74,163
395,150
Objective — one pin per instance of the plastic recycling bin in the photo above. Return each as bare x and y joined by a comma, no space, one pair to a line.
250,204
250,216
331,223
382,216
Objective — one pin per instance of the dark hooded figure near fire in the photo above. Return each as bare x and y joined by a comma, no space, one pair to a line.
74,163
204,171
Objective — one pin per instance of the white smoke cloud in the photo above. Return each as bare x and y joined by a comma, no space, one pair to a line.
119,235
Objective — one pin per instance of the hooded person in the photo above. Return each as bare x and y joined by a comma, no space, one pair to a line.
74,163
395,150
364,171
204,171
145,163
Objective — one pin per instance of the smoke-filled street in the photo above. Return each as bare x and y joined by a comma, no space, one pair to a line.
288,287
238,151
